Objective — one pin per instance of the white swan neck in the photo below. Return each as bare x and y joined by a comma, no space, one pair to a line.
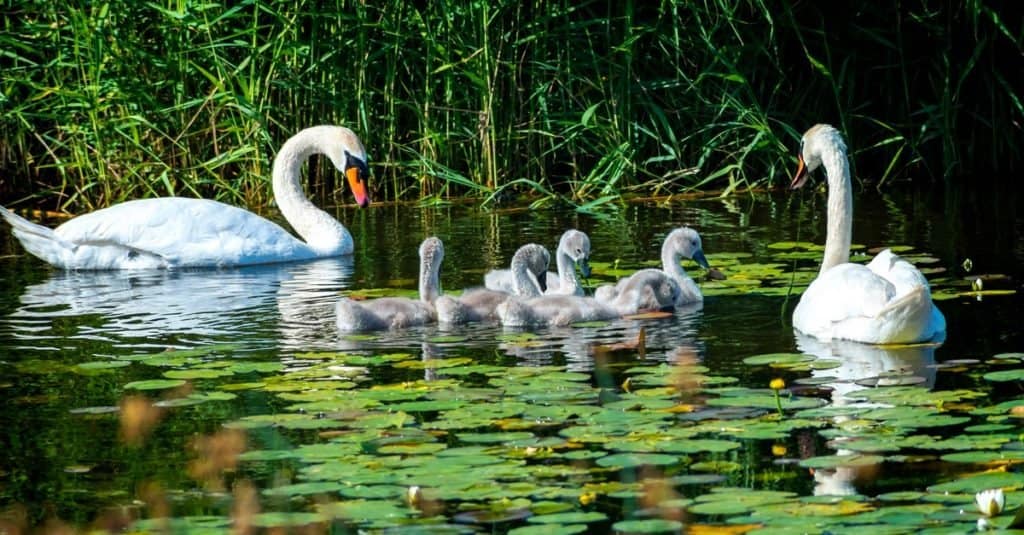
566,269
430,283
671,263
523,282
320,231
839,232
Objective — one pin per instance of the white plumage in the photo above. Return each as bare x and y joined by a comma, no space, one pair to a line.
177,232
887,301
573,251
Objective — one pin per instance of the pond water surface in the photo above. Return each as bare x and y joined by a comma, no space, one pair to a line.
216,399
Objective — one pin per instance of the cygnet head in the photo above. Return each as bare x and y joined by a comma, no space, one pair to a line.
536,259
816,141
576,244
431,255
684,242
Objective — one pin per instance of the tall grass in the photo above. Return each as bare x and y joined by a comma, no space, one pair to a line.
578,101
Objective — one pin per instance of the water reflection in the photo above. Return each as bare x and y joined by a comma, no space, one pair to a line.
576,346
161,308
863,366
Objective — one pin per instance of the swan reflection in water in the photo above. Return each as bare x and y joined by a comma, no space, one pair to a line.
576,345
863,366
180,308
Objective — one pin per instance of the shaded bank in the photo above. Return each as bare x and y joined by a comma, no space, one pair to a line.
104,102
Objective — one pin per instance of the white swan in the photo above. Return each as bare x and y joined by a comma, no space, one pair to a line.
650,290
529,266
886,302
573,250
397,312
683,242
176,232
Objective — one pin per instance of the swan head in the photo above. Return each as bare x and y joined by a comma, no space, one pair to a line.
432,251
347,154
684,242
818,140
576,245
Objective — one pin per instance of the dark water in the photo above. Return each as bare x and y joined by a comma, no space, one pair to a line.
58,463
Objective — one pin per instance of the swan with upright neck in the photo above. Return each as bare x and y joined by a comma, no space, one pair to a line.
573,251
397,312
177,232
682,242
528,267
887,301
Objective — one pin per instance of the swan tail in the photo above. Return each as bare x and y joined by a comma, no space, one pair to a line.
909,317
40,241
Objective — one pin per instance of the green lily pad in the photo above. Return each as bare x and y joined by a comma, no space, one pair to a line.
652,525
1003,376
633,460
277,520
573,517
155,384
549,529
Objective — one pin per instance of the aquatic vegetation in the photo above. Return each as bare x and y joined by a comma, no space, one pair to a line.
576,103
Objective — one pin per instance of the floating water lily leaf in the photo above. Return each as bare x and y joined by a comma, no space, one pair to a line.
373,491
155,384
573,517
717,467
549,529
255,367
697,446
766,400
100,366
651,525
790,245
196,374
95,410
496,438
301,489
980,482
277,520
433,364
720,507
1005,375
633,460
268,455
841,461
985,457
777,359
430,405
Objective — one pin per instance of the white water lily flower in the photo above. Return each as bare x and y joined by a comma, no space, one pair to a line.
990,502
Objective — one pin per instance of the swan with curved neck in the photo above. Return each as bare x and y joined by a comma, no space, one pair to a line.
887,301
177,232
529,266
682,242
397,312
573,251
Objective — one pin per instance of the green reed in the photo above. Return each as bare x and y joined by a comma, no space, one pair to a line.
579,102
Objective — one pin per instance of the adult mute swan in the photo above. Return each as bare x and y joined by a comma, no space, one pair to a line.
683,242
887,301
176,232
573,250
528,267
397,312
650,290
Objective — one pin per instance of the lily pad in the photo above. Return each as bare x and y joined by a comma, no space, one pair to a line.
155,384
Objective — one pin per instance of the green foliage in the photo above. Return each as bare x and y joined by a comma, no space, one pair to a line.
581,101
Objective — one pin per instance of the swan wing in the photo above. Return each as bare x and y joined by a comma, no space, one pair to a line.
176,232
854,302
